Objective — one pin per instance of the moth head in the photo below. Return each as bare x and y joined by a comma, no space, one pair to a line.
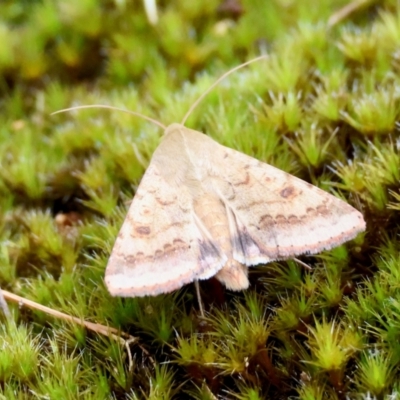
174,127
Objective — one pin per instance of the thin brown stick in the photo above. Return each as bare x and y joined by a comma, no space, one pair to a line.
121,337
98,328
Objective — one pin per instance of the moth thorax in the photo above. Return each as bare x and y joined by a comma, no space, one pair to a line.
211,211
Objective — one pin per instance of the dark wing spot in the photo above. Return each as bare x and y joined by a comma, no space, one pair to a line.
246,240
266,221
208,250
163,202
130,259
246,181
280,219
287,192
322,210
143,230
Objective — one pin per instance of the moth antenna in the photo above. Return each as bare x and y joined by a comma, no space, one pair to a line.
196,103
154,121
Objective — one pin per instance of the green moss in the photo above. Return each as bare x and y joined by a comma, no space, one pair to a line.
324,105
18,344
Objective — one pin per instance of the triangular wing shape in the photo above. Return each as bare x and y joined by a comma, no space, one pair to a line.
159,247
277,215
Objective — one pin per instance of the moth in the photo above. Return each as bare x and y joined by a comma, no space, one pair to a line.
204,210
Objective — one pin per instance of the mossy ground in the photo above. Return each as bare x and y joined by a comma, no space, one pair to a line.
324,106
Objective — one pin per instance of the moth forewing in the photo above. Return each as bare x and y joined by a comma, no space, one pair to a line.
278,215
161,245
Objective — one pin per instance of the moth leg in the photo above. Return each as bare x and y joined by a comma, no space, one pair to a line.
201,308
303,264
